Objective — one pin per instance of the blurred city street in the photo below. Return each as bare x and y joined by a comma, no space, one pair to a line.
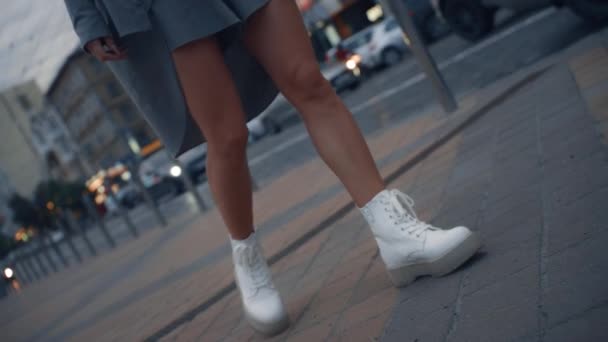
523,161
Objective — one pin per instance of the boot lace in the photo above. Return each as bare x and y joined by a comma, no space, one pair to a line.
250,259
402,212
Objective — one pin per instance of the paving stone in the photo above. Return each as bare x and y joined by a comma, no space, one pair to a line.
367,331
589,326
317,332
502,311
410,326
372,307
504,254
576,279
579,221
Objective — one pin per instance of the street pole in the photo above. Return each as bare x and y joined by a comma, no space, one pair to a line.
150,202
188,183
73,225
121,210
92,210
24,267
428,65
67,233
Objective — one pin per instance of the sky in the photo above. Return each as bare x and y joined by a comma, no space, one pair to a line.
35,38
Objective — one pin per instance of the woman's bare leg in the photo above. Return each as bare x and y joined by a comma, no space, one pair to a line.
214,103
276,36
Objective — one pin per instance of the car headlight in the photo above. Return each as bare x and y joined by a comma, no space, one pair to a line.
175,171
8,273
353,62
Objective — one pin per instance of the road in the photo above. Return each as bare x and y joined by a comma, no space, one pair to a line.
393,95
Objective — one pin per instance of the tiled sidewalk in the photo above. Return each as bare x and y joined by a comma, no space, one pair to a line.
531,175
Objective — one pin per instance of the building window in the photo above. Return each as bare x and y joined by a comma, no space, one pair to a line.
24,102
113,89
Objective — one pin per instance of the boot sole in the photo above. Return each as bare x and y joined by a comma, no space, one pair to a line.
405,275
269,329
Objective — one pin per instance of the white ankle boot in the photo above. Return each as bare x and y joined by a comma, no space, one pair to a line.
261,301
410,247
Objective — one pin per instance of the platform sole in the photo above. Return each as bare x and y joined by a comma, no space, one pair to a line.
405,275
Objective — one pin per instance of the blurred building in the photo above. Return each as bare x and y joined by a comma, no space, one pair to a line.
100,117
19,157
52,140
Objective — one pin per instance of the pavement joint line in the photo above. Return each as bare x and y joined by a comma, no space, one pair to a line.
416,79
543,240
369,265
417,157
316,295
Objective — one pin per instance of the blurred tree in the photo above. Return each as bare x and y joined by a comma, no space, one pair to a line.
24,211
6,245
54,194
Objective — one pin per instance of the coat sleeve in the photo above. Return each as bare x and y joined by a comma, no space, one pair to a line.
87,20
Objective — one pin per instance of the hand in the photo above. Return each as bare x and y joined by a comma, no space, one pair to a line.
105,49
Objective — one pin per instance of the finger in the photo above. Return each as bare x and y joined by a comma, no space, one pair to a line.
111,44
110,56
114,48
96,49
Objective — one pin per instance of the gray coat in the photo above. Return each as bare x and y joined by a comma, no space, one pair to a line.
148,75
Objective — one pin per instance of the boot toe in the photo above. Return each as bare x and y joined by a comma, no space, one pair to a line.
267,314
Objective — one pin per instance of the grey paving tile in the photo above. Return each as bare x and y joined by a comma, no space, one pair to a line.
589,326
425,310
502,311
576,279
504,253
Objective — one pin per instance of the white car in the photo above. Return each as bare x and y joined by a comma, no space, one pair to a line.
473,19
382,44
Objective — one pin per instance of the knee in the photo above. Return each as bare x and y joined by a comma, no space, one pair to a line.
305,83
228,144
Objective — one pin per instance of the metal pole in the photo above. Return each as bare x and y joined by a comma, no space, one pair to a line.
98,219
121,210
57,250
24,266
45,249
150,202
188,182
28,260
68,239
401,13
36,254
71,221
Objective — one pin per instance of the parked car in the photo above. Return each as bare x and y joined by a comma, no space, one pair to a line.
161,175
343,75
382,44
473,19
262,125
195,163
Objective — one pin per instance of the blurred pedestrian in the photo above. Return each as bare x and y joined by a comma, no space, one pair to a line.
206,67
